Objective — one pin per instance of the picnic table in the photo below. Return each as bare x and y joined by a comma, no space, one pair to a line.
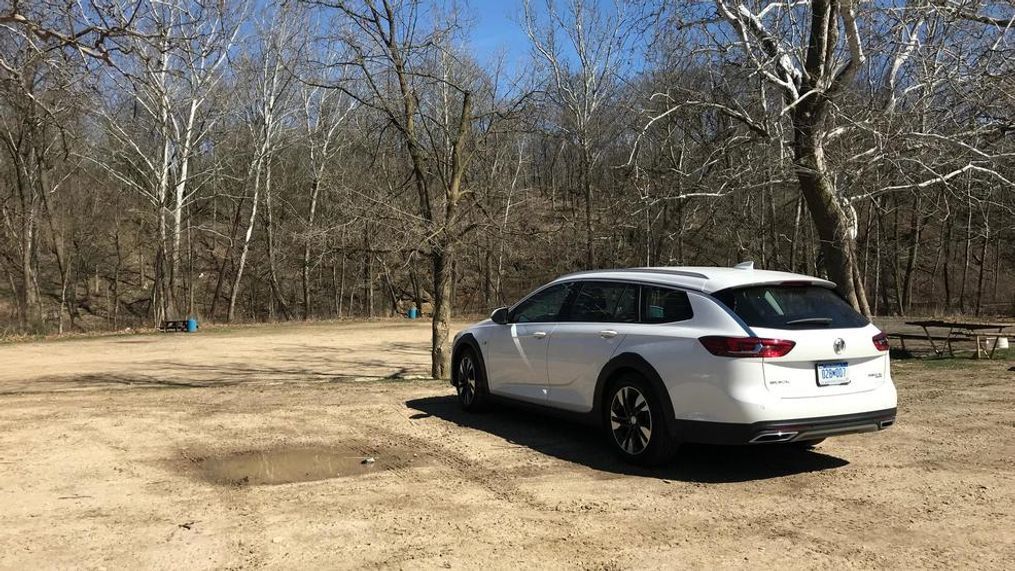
170,325
965,330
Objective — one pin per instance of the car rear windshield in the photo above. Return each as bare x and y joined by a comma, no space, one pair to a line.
791,307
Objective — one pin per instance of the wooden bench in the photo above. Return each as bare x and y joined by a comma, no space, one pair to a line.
173,325
947,340
969,330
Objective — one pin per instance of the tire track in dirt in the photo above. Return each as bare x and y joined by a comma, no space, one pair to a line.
562,526
480,475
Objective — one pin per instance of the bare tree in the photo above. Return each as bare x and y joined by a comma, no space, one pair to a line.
61,25
388,45
586,50
270,94
327,158
171,67
39,99
811,85
325,113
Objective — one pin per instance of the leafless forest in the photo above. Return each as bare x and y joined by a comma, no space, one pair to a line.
248,161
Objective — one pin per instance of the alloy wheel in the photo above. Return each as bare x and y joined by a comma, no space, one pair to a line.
466,380
631,420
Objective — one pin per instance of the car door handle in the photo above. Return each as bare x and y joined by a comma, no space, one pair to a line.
607,334
539,334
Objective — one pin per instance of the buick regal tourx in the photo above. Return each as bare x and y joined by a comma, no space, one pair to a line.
660,356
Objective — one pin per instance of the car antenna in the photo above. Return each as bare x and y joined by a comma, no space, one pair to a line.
745,265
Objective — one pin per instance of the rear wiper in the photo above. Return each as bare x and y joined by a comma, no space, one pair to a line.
821,320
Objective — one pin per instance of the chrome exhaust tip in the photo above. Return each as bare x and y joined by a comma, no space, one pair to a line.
886,423
773,436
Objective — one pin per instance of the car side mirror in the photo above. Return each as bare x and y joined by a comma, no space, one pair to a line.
500,315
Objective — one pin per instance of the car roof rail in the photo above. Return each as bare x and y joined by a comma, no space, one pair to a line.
664,271
671,271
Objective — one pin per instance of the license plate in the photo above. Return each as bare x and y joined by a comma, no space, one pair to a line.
832,374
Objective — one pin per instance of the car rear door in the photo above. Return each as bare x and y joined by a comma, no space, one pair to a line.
585,339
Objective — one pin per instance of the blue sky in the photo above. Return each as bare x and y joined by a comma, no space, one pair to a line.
496,30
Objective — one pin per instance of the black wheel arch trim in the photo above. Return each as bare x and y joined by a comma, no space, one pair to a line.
638,364
466,340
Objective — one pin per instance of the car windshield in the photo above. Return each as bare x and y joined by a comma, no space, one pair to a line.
791,307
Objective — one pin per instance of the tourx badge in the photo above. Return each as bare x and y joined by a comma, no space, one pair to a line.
839,345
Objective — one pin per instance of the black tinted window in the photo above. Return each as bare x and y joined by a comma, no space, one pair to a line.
604,301
661,305
791,307
544,306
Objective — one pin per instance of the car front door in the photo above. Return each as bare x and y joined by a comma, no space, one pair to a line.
515,352
585,340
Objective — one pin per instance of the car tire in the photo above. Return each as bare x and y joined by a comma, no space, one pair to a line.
635,423
470,382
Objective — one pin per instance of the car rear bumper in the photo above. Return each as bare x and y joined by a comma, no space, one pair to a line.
791,430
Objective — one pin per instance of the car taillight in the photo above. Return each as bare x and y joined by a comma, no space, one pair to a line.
746,346
881,342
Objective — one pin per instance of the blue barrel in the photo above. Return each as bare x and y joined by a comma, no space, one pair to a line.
413,313
191,325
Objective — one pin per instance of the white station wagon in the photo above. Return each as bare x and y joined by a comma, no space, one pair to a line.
660,356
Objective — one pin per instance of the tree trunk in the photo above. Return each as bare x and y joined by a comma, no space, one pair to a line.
834,227
59,249
946,271
590,253
794,246
417,291
29,311
441,347
916,230
116,276
180,196
226,256
269,211
162,301
246,241
314,191
968,249
368,273
877,262
393,296
980,285
341,283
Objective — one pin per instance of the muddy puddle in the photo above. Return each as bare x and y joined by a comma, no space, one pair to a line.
306,464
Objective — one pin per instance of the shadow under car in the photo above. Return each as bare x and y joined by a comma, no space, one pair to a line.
582,444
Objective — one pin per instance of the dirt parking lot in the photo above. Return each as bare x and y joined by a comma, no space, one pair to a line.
168,452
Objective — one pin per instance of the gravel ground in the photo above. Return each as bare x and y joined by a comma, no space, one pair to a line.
130,451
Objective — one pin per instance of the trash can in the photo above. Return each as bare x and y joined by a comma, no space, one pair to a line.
413,313
1002,343
191,325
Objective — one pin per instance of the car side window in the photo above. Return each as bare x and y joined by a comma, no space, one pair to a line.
605,302
662,305
543,306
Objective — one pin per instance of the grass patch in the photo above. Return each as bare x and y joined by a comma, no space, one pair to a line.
962,360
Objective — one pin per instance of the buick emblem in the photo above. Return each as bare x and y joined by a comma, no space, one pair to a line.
839,345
